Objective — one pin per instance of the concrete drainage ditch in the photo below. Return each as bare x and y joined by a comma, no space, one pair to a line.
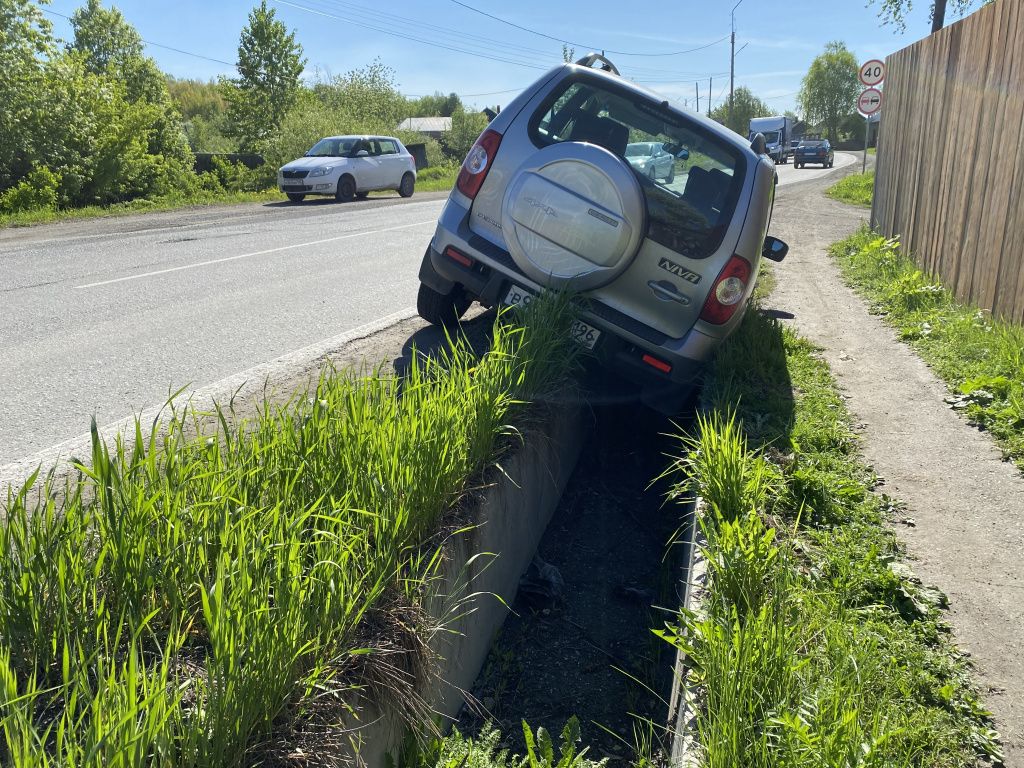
586,649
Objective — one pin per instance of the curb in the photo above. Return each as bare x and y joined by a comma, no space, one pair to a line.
684,701
245,383
484,563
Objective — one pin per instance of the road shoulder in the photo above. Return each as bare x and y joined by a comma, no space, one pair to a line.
966,503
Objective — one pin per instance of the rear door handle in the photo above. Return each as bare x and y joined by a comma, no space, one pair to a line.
666,291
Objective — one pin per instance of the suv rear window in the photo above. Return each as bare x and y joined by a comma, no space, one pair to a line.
691,184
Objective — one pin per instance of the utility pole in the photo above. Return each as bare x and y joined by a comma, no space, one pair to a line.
709,97
696,87
938,15
732,56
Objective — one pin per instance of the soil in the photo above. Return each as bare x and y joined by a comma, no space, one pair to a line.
967,504
588,651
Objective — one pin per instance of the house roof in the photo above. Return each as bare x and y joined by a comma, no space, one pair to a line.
426,124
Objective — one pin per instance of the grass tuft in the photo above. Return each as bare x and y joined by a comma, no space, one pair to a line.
812,646
858,188
194,591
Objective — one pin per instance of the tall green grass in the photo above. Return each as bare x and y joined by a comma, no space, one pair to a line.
808,648
981,358
196,590
857,188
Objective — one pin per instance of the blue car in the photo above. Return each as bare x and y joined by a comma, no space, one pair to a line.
814,151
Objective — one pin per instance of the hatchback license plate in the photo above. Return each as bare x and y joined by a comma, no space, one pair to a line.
582,333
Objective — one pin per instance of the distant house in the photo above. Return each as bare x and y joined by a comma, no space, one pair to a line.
434,127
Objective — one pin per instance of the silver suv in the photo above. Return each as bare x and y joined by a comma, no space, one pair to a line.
547,198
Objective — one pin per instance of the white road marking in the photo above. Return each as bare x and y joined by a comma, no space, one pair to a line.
239,218
198,264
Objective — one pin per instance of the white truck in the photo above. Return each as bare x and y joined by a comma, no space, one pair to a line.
777,132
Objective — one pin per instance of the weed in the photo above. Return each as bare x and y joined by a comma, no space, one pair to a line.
195,587
857,188
812,646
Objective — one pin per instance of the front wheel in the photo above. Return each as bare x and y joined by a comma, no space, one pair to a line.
295,197
444,309
346,189
671,174
408,186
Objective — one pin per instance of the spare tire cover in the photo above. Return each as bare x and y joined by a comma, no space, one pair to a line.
573,216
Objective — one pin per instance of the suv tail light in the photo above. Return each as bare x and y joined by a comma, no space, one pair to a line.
477,163
727,292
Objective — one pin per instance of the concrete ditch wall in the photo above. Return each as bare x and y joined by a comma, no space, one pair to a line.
486,561
682,710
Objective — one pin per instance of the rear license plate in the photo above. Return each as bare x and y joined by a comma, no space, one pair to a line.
582,333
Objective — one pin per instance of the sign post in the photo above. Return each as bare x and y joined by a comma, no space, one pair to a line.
871,73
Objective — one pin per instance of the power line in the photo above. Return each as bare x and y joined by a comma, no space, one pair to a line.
419,26
156,45
393,33
582,45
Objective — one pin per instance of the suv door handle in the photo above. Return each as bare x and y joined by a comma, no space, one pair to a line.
666,291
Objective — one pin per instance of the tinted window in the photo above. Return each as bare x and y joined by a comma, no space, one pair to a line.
332,147
690,202
812,143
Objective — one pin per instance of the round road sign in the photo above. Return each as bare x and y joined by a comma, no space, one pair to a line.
870,101
872,72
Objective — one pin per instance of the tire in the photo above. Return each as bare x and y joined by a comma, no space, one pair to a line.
407,187
346,189
362,195
295,197
671,174
442,309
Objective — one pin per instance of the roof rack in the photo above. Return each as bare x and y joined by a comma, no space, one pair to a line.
606,65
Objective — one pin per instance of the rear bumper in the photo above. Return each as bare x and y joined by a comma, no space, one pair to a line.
623,342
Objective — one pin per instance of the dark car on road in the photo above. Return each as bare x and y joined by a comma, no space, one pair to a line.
814,151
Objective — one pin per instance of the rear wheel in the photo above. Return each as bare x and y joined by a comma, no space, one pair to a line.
296,197
442,309
408,186
346,189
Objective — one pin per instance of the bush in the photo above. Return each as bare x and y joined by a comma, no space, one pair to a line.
37,192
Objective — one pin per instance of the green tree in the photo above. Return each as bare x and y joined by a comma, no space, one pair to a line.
366,96
269,65
745,107
828,93
437,105
25,42
894,11
466,129
108,46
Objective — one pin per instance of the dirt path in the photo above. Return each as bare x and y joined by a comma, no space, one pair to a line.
968,504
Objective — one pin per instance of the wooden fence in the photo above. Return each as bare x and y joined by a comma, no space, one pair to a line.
950,178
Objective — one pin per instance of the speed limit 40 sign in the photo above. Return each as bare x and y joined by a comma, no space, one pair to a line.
872,72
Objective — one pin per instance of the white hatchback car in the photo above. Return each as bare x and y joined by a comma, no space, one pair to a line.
348,167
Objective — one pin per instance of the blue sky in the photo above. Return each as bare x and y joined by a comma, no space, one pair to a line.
337,36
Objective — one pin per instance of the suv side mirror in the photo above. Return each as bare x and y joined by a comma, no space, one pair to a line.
774,249
758,144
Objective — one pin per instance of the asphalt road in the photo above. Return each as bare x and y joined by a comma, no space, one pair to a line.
107,317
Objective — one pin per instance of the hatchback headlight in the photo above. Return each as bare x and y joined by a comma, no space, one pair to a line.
321,171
